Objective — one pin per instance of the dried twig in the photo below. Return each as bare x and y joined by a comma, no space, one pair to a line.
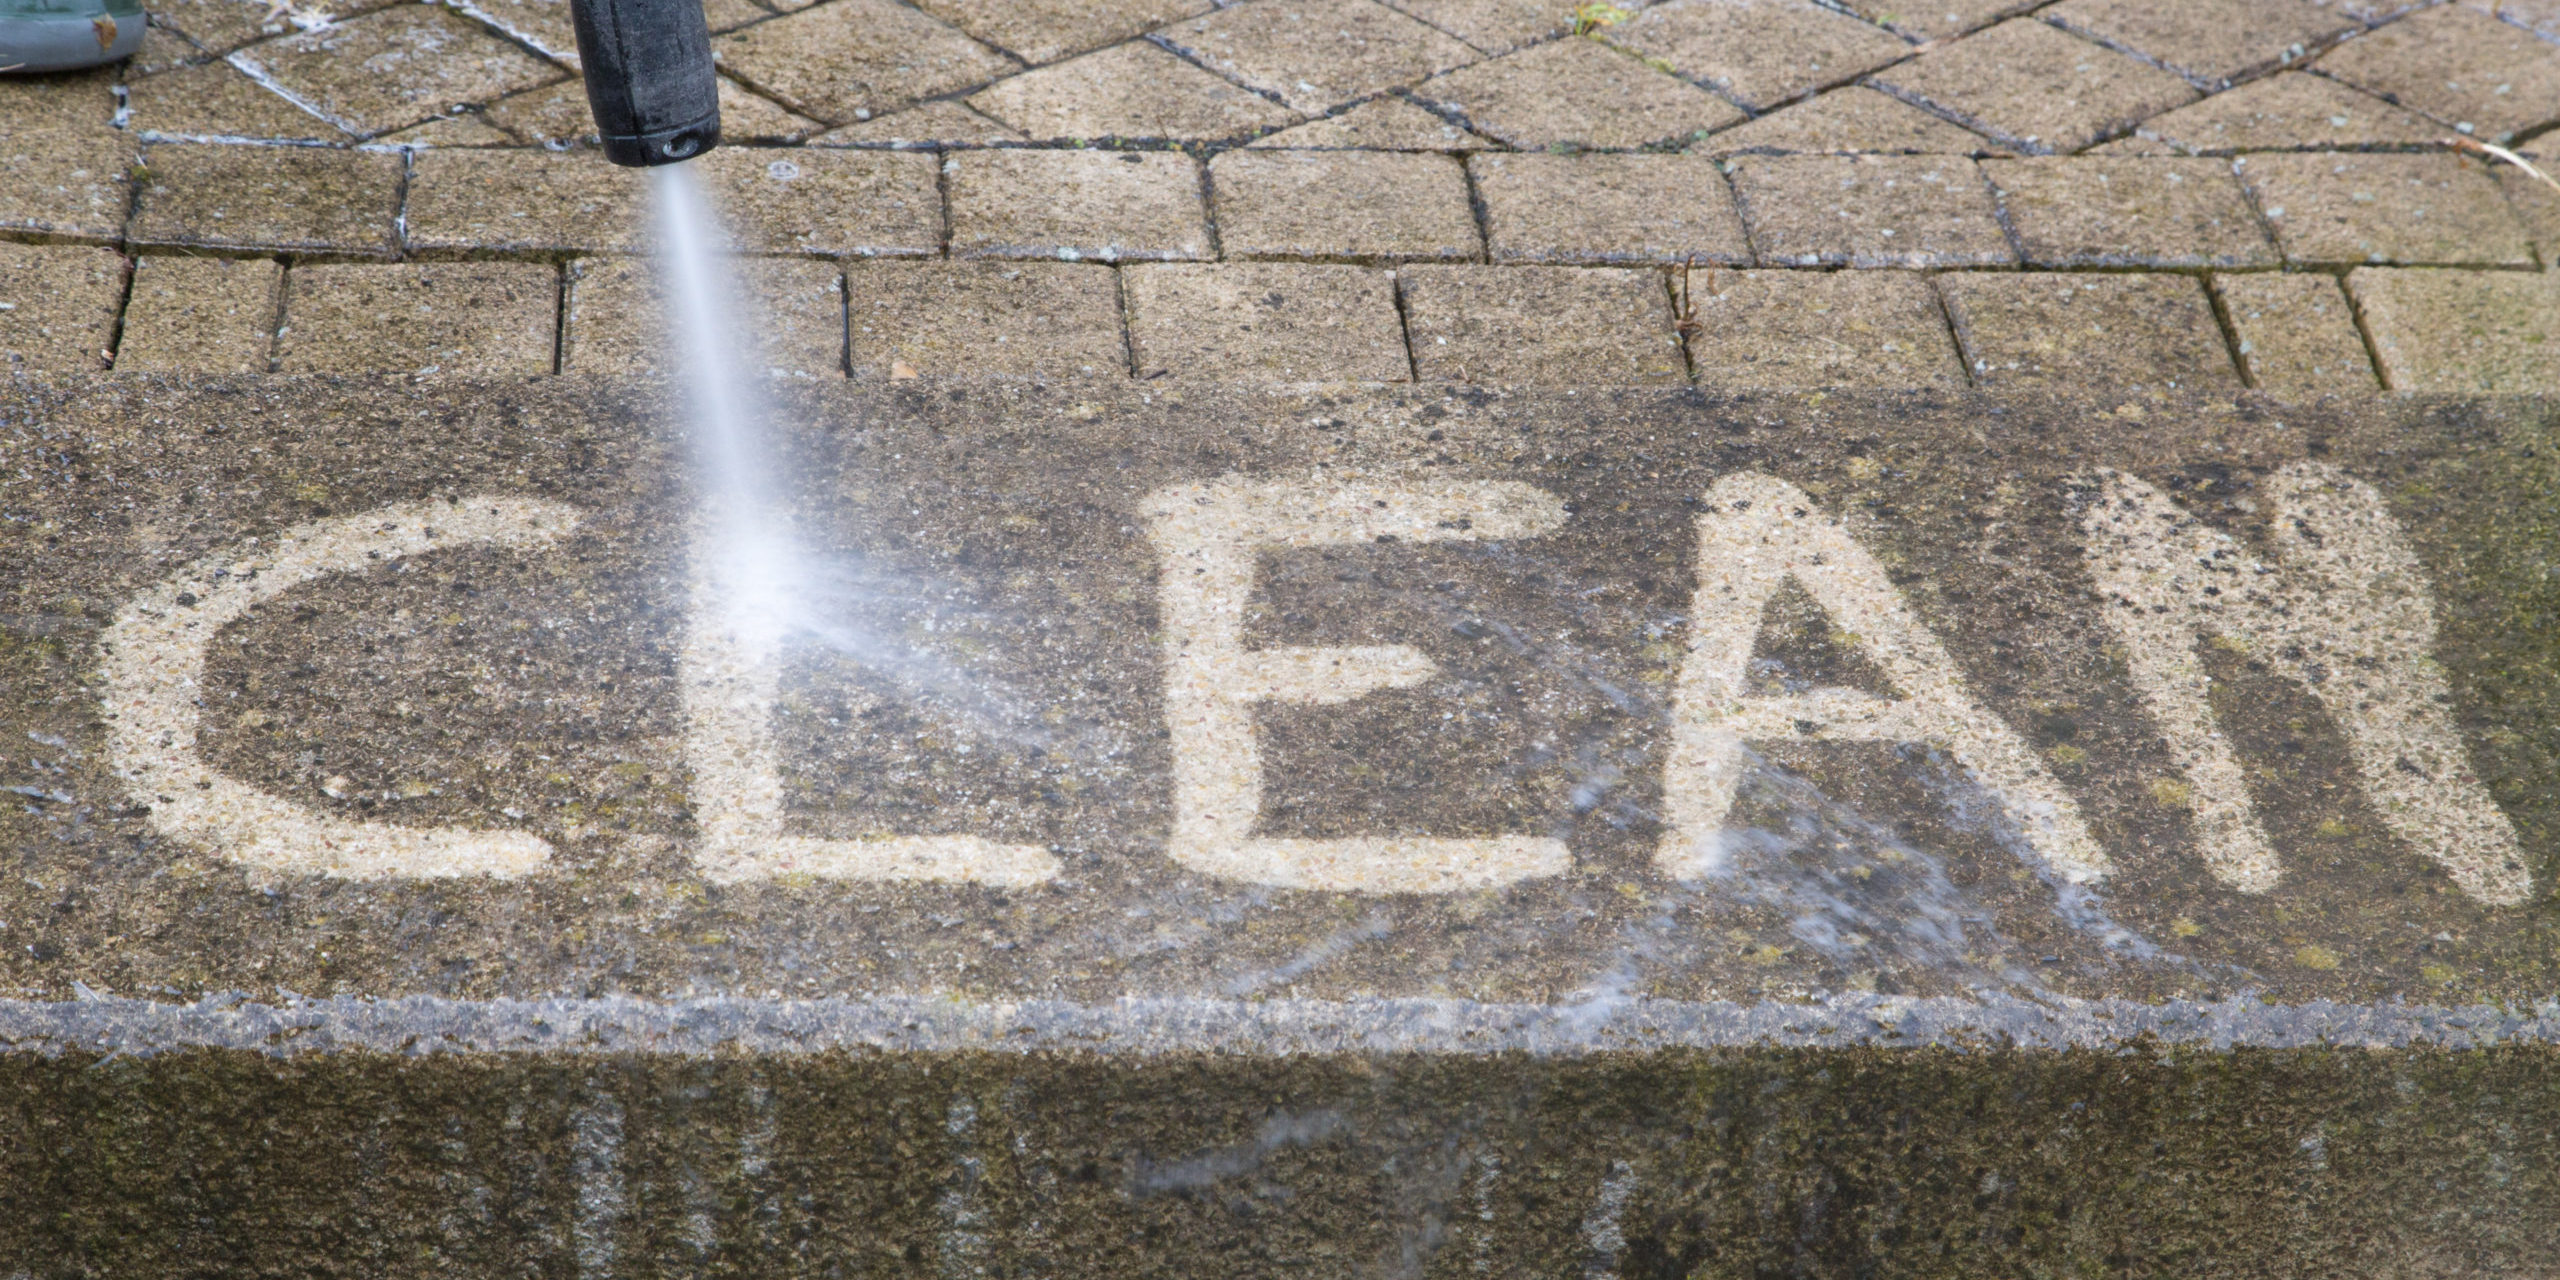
1684,320
2496,152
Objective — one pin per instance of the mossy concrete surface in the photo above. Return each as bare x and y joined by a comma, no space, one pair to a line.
1718,1164
1313,830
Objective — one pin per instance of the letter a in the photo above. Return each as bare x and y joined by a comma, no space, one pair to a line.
2346,613
1758,532
154,666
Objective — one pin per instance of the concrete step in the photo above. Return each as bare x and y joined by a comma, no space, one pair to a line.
1310,829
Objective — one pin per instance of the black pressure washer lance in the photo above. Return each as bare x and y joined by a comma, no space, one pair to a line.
649,78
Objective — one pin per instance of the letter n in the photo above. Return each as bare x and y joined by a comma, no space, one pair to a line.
2346,612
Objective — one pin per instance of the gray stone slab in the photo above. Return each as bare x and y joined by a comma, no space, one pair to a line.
412,1160
1488,742
1316,828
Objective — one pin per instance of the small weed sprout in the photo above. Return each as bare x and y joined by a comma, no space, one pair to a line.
1591,17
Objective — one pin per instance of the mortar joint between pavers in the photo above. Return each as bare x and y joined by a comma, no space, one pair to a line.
1425,21
115,326
2237,349
2364,330
1954,328
1121,308
2000,214
275,317
1953,117
473,14
560,316
942,161
1677,288
67,239
283,313
400,205
1404,324
1751,241
1208,189
2257,209
1477,209
1159,40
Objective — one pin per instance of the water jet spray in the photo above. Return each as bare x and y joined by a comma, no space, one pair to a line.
650,82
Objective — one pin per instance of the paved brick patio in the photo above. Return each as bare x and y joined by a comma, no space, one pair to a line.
2204,193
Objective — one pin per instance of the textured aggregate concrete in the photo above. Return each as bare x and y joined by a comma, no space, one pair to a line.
1546,834
1507,802
2298,1163
1678,831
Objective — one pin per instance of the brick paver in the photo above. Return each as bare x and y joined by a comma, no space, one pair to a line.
1132,91
1576,93
1343,205
2296,333
2133,211
394,67
2210,42
2459,66
1266,321
2290,111
220,26
1494,26
2462,331
616,322
1855,120
200,315
2346,209
63,164
850,60
1052,320
1041,31
1608,209
424,317
842,203
1759,53
1316,54
304,199
57,306
1935,19
1782,329
215,100
1815,137
1130,206
1870,211
2138,332
2035,88
2537,206
1532,325
535,202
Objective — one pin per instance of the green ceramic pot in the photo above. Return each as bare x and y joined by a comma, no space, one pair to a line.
61,35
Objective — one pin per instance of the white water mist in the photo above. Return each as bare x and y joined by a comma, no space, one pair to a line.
748,556
762,584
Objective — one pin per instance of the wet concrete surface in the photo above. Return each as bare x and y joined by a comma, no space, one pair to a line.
998,671
1764,1163
1961,787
